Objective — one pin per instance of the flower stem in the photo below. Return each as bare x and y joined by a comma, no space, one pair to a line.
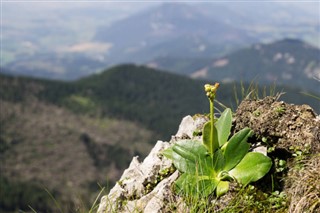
212,118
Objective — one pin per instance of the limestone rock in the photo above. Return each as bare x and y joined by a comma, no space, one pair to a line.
146,186
189,125
131,190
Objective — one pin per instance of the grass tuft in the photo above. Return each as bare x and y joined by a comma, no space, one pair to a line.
303,186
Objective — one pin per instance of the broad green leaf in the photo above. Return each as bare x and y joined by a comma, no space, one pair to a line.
223,126
251,168
218,161
222,188
207,187
236,148
168,153
206,137
190,157
225,176
210,140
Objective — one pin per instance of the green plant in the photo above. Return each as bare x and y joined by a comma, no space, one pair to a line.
254,91
280,165
257,113
208,167
280,109
317,97
95,204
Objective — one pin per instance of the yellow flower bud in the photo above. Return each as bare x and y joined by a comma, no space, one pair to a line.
216,85
211,90
207,87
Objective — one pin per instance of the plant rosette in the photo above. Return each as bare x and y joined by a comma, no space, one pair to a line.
207,167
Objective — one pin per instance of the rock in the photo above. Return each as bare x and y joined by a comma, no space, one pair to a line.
288,127
146,186
135,183
261,149
160,194
189,125
186,127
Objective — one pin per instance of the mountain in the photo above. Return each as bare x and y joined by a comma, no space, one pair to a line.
58,47
204,29
144,95
56,135
285,62
250,16
169,24
45,145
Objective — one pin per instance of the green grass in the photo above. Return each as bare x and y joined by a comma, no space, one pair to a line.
241,199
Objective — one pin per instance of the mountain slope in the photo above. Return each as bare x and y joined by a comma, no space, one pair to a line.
286,62
166,24
46,146
146,96
131,92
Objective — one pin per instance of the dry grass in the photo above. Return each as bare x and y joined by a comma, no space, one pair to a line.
303,186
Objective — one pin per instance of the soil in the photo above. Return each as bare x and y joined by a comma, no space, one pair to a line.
288,127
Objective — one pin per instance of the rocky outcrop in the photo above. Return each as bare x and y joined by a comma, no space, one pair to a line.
289,127
140,185
147,186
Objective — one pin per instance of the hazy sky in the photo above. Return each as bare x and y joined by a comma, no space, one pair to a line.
12,10
25,14
65,4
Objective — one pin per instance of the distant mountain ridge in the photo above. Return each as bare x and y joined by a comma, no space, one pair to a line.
285,62
202,30
168,24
